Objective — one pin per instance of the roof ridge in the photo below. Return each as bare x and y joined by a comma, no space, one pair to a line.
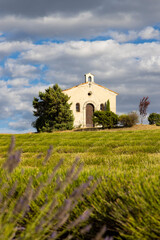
92,83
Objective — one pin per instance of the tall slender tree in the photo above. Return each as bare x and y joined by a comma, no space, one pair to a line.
108,109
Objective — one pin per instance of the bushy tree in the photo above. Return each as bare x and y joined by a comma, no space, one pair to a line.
143,105
107,119
52,110
129,120
154,118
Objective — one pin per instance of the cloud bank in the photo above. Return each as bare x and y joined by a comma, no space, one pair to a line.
70,19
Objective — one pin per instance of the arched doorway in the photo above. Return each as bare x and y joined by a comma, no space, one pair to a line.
89,115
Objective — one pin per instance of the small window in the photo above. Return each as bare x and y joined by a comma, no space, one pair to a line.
102,107
77,107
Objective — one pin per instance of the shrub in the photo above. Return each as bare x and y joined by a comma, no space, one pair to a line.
154,118
129,120
124,120
107,119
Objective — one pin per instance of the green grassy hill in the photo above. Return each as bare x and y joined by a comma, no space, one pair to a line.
99,151
127,200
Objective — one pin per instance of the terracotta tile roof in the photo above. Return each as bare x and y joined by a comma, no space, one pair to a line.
92,83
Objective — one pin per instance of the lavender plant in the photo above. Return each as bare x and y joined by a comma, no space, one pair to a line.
51,220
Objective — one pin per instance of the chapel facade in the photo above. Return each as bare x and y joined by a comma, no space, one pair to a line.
88,97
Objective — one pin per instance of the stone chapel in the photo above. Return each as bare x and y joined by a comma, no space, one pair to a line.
88,97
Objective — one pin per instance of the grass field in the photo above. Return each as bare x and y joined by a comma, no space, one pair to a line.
127,200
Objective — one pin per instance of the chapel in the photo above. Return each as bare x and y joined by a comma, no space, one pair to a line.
88,97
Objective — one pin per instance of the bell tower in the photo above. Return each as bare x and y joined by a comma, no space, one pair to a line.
89,77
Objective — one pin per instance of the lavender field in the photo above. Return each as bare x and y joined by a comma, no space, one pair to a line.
88,185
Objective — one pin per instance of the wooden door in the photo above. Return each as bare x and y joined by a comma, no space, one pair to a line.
89,115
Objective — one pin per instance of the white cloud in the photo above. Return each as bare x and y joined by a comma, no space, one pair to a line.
20,125
122,37
58,26
107,58
75,20
18,101
7,48
18,82
151,64
16,69
149,33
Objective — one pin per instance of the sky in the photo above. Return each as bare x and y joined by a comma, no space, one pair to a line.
43,42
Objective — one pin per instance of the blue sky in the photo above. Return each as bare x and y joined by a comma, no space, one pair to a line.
48,42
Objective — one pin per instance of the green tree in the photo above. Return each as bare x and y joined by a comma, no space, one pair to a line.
154,118
108,109
52,111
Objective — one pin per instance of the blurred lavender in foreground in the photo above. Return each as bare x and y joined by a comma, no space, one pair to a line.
50,220
13,157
